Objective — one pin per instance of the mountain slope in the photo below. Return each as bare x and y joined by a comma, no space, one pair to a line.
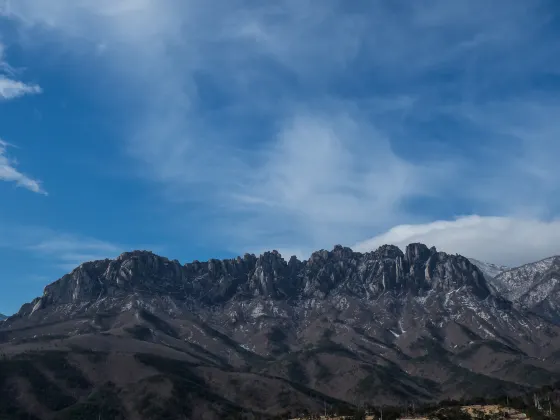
534,286
263,334
2,317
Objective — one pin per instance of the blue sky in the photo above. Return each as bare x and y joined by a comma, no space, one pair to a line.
206,129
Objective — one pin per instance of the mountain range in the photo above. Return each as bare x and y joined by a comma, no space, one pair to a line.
145,337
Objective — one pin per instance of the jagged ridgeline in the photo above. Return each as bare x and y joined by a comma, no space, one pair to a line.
271,335
417,271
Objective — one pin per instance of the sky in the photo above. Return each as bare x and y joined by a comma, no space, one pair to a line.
207,129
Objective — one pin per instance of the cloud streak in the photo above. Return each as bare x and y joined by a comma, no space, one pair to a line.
9,87
9,172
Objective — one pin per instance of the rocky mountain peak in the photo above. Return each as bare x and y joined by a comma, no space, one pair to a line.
319,256
341,252
388,251
418,253
136,254
271,258
448,272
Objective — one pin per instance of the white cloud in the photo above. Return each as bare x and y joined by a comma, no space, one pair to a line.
11,89
500,240
319,183
9,173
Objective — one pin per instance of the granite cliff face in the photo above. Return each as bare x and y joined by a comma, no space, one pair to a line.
342,326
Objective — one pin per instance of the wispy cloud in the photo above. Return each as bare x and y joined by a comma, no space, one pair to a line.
9,87
319,183
522,138
9,172
68,251
306,123
59,250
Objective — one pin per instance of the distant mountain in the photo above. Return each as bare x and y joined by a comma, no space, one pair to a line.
2,317
488,269
145,337
535,286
